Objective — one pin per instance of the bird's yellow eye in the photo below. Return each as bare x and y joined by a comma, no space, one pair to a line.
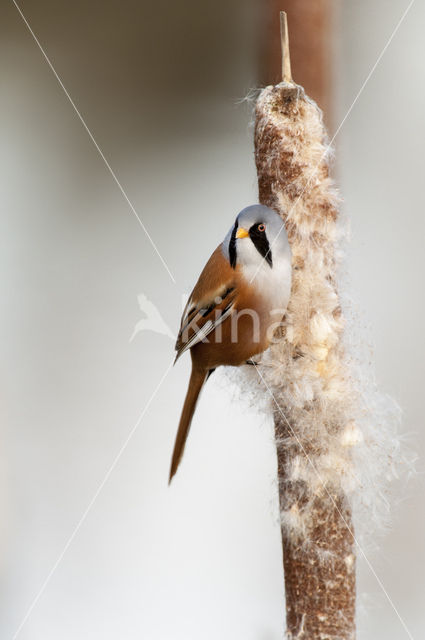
261,227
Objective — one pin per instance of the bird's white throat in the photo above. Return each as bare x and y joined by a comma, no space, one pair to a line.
272,282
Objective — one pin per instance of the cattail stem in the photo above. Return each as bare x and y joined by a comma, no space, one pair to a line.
306,370
311,32
286,58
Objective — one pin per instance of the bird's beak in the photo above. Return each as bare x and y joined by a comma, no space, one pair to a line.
242,233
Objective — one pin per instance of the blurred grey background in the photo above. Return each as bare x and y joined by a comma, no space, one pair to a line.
161,87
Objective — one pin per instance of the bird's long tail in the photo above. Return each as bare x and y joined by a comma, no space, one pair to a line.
196,382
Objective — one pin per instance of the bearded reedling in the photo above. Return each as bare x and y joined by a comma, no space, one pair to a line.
229,316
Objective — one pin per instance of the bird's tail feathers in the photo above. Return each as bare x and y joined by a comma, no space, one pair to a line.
196,382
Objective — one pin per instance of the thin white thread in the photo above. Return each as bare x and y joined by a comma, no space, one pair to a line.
90,505
372,71
95,143
326,151
334,503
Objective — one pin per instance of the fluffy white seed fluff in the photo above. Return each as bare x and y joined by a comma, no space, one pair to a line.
344,430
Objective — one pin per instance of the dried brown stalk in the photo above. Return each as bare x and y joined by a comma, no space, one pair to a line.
311,47
306,370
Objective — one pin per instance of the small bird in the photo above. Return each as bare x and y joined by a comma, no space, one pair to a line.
240,297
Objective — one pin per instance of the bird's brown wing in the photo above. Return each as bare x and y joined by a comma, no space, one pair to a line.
210,303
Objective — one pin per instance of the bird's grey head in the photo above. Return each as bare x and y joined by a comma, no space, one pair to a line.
258,235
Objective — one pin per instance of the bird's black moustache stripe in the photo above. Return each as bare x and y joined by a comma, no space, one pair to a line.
232,246
261,243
